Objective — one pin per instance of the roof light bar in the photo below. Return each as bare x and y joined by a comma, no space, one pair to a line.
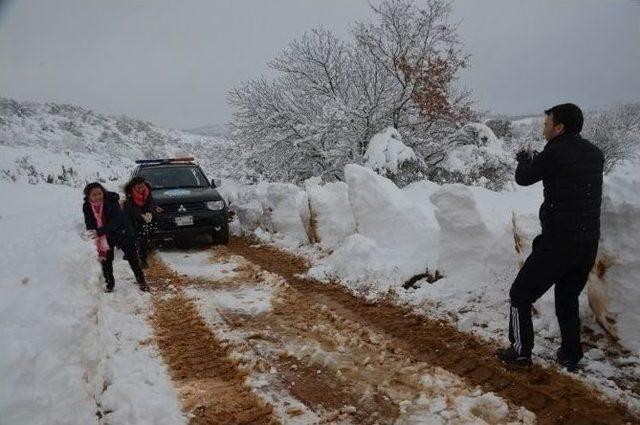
165,160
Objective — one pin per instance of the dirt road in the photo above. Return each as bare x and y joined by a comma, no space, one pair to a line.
247,340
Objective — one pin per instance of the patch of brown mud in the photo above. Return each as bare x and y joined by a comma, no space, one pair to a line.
306,348
554,397
338,366
322,390
164,278
211,386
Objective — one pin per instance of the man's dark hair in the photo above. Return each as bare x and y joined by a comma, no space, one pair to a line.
568,114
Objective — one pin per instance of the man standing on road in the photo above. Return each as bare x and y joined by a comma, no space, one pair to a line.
570,168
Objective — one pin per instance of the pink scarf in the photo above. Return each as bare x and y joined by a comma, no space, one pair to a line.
101,243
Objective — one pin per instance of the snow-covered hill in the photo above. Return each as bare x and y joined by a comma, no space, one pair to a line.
65,144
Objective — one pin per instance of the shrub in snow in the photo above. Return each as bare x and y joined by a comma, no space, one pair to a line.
501,127
475,157
616,132
613,288
389,157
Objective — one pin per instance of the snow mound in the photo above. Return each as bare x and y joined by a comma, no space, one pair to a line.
386,215
274,212
460,220
386,153
331,217
613,288
362,265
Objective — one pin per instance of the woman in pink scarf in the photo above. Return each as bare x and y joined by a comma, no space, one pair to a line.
110,228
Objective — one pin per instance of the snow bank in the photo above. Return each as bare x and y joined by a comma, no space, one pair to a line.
396,239
386,153
613,288
46,309
378,236
68,350
274,212
331,217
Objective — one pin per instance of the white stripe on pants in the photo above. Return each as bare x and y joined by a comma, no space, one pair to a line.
515,323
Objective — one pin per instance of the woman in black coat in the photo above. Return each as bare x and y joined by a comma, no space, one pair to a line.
141,212
110,228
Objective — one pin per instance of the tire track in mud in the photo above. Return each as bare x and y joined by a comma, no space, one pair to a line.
305,352
554,397
210,384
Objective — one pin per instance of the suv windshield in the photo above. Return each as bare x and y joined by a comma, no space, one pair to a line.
174,177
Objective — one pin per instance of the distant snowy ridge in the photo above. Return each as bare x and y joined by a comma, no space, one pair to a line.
65,144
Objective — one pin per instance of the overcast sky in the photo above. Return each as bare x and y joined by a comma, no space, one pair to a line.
172,62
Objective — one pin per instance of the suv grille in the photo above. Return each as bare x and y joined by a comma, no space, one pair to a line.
184,207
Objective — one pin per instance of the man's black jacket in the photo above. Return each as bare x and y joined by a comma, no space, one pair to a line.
570,168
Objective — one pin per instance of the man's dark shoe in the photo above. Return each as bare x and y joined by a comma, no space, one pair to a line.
510,356
108,289
567,364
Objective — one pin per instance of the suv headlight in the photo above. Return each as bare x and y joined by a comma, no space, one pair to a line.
215,205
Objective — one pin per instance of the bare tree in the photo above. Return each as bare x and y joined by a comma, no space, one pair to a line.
332,96
616,132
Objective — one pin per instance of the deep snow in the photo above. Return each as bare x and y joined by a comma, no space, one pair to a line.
69,351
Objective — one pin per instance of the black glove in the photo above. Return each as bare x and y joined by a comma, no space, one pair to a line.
526,155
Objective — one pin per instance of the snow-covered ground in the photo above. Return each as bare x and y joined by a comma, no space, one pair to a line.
373,236
70,354
442,397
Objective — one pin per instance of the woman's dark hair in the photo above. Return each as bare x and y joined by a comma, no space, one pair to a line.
88,188
134,181
568,114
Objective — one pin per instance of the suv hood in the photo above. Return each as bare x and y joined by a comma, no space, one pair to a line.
192,194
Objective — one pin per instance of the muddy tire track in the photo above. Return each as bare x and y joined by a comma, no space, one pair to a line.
554,397
306,353
210,384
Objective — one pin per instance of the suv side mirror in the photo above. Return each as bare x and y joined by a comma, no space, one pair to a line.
215,182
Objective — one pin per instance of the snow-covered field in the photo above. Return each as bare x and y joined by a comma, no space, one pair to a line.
70,145
69,353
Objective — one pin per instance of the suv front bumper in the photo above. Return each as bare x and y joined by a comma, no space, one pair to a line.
204,222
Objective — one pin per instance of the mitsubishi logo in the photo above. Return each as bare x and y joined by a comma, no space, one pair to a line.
182,208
